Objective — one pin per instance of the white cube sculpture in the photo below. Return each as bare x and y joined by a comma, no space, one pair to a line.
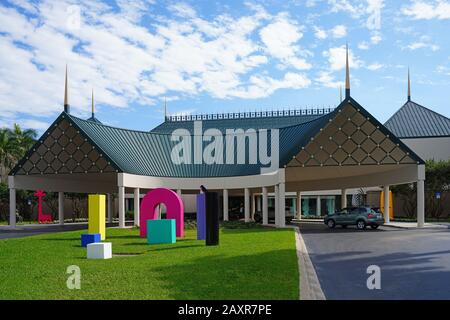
99,250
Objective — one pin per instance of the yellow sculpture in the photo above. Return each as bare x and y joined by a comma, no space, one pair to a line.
96,212
391,204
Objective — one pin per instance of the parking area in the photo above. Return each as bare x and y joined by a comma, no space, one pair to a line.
414,264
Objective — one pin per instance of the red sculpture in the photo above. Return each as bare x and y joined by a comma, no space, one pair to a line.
42,217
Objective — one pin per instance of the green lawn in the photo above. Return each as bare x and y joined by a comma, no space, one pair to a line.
255,263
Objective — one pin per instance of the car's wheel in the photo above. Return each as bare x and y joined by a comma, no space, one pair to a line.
374,226
331,224
360,225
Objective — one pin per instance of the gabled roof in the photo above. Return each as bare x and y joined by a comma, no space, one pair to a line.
415,121
149,153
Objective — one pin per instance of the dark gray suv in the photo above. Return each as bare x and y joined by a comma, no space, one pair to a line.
361,217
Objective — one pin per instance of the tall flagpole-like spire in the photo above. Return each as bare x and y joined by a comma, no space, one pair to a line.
92,103
66,96
165,108
347,74
409,87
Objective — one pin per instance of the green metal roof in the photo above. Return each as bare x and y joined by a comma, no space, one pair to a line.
415,121
94,119
149,153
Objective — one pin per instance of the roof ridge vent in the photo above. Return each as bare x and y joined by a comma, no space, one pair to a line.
249,114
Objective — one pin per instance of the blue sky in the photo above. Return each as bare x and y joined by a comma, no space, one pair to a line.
217,56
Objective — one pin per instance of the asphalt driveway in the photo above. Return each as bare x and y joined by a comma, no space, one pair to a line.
31,230
414,264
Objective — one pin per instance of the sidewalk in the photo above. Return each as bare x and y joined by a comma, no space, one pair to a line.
413,225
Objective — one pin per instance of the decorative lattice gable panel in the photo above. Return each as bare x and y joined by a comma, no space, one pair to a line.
349,139
64,150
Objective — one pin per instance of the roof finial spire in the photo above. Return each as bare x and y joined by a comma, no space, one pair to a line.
66,96
92,103
347,74
409,86
165,108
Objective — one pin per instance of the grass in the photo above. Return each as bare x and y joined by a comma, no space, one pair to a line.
249,263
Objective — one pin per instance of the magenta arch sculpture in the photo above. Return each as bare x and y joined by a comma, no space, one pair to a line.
174,209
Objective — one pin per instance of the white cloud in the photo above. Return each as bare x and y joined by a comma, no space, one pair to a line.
376,38
421,45
368,12
280,39
421,10
34,124
363,45
134,10
262,86
319,33
339,31
326,79
336,58
375,66
356,10
443,70
25,5
127,63
183,10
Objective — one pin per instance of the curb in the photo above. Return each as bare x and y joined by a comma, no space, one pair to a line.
310,288
428,227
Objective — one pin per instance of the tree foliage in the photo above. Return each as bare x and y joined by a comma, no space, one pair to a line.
437,180
14,143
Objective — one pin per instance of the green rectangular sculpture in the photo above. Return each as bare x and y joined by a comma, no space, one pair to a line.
161,231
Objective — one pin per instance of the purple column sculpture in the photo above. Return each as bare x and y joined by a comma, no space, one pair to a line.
201,216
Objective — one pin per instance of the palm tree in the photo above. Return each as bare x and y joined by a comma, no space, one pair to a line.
6,153
23,140
13,146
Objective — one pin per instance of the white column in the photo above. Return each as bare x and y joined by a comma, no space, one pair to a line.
179,192
12,207
420,203
258,203
121,207
225,205
61,207
253,206
343,198
282,219
137,206
277,204
247,204
109,207
265,206
318,207
299,205
386,204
